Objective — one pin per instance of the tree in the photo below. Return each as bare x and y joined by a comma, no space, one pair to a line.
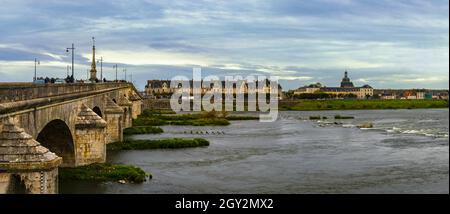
313,96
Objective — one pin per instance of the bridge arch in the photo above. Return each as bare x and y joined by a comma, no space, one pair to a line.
16,185
98,111
57,137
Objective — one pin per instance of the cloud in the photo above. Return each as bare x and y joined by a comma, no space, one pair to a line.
300,41
151,57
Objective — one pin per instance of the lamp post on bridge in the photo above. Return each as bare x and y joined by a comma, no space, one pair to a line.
36,62
101,68
125,71
67,50
115,66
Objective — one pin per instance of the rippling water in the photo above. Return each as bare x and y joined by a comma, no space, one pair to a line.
407,151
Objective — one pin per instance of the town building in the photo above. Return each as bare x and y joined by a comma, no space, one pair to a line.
347,89
410,94
163,88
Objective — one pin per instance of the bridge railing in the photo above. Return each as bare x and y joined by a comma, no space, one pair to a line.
13,92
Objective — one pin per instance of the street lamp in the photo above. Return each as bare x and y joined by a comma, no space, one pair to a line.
36,62
115,66
67,51
101,68
125,71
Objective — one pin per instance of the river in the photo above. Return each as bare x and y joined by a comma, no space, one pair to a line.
407,151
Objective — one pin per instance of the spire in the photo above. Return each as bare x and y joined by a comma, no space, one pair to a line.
93,65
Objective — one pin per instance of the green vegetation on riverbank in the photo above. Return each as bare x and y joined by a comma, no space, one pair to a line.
236,117
171,143
315,117
155,118
142,130
314,105
161,111
339,117
104,172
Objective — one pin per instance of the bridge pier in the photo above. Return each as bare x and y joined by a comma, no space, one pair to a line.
113,117
90,137
25,165
127,111
136,107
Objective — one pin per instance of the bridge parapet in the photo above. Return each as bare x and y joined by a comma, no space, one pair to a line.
26,91
33,103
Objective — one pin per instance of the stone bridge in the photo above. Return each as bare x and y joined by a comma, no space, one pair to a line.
43,127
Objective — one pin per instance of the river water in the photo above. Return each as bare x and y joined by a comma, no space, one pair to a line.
407,151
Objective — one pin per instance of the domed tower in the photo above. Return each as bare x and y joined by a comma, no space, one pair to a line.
346,83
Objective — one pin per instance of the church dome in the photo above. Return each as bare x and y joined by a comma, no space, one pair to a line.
346,83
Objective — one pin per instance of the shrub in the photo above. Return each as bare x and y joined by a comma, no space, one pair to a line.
170,143
242,118
148,121
104,172
314,117
343,117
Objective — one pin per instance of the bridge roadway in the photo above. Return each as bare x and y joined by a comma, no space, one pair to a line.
43,127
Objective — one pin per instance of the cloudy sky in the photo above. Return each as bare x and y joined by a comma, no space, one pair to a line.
384,43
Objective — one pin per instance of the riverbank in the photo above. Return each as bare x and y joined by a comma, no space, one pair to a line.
103,172
171,143
316,105
319,105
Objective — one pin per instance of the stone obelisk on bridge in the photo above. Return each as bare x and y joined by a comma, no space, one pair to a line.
93,77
